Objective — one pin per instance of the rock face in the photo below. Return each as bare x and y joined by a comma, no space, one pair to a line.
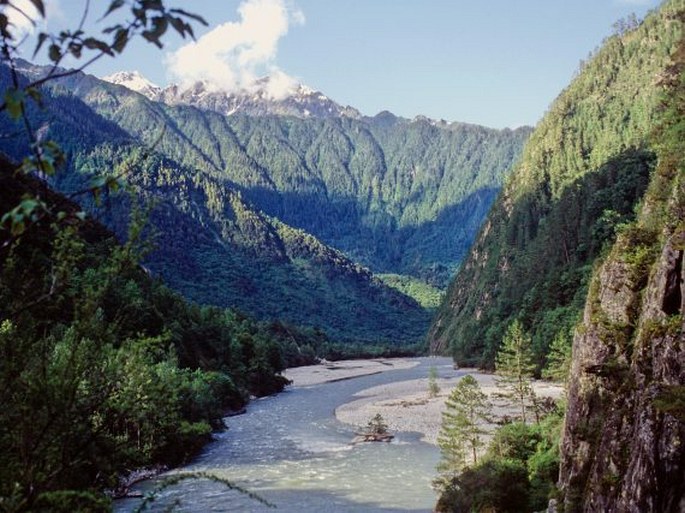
623,448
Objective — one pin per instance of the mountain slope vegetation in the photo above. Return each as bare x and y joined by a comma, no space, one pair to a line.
582,172
386,191
215,248
102,368
243,204
622,445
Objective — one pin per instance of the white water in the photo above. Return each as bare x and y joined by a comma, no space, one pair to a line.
290,450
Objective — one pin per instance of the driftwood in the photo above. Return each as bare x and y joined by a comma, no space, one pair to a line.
372,437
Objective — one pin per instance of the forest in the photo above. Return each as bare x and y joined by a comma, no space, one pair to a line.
162,265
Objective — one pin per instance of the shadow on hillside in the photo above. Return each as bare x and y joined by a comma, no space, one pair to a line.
430,250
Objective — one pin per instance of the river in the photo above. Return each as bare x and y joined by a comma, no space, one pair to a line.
292,451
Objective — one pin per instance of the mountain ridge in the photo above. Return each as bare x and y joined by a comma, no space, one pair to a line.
255,100
386,192
582,171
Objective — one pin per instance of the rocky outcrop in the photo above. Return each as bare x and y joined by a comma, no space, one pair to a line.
623,447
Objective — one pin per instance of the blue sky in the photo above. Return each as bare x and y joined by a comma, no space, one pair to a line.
492,62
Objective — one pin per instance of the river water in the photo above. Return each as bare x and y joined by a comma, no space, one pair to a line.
290,450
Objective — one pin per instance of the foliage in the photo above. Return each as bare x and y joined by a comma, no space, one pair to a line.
671,400
558,364
425,294
233,193
514,368
499,486
101,368
150,20
648,253
518,472
581,174
377,425
466,409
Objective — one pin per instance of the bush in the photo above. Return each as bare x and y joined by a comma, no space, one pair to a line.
494,485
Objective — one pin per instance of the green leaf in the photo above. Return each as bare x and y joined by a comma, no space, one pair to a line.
116,4
75,49
55,53
96,44
190,15
42,37
14,99
34,94
179,25
40,7
4,22
120,40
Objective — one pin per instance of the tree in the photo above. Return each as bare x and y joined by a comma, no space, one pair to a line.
377,425
148,19
433,387
70,423
467,408
559,358
514,368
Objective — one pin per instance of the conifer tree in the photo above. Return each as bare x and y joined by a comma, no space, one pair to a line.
467,408
514,367
559,358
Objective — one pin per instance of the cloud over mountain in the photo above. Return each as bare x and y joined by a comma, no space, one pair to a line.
234,54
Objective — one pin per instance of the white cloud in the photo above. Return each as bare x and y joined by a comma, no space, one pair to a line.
25,18
231,56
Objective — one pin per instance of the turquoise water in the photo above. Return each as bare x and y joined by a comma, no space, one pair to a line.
290,450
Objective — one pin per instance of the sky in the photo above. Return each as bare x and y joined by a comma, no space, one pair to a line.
498,63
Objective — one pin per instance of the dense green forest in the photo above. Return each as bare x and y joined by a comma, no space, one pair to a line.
228,192
213,246
386,191
581,175
617,233
103,369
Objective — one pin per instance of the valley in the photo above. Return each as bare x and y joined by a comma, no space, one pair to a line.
232,201
232,282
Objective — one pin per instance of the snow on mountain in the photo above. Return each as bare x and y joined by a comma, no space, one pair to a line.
257,100
135,82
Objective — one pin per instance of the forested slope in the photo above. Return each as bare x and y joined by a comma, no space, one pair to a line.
210,243
386,191
102,369
248,208
624,430
581,174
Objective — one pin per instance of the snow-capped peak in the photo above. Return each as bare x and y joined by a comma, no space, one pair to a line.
134,81
269,95
265,96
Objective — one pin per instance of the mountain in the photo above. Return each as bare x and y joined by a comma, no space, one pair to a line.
588,237
250,207
581,174
385,190
260,99
214,247
134,81
624,428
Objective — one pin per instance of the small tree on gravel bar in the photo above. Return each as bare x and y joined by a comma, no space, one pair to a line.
461,434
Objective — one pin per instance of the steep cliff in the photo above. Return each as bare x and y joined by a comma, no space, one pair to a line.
582,171
623,446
